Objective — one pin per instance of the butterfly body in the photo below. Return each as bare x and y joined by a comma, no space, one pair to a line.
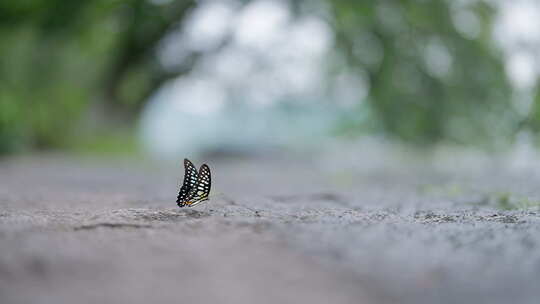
196,185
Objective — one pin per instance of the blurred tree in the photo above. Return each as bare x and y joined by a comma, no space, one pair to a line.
64,59
431,66
429,78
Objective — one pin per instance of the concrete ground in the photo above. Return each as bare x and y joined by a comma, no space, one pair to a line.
278,230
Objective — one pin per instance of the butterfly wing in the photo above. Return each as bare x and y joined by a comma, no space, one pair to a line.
201,191
190,181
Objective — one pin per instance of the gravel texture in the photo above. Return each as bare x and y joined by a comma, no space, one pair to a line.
279,230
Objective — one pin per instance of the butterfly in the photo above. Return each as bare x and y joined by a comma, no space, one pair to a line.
196,185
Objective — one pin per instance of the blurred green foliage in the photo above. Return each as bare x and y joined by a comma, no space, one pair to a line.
70,66
428,81
65,66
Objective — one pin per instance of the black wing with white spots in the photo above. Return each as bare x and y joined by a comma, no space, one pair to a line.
201,191
190,182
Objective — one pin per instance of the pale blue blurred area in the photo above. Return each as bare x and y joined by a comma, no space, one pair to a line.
264,91
168,130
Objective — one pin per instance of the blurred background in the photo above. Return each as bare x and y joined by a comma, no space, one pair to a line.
385,149
168,78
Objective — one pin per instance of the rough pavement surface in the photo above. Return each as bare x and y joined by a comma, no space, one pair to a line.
277,231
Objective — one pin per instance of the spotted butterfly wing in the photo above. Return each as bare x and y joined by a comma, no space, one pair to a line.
201,191
190,181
